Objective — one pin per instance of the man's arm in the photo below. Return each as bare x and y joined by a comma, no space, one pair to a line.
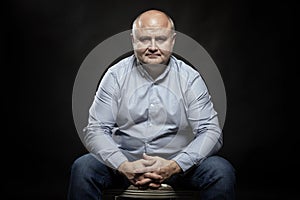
204,122
97,135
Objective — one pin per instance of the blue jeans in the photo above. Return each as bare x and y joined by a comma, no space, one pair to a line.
214,177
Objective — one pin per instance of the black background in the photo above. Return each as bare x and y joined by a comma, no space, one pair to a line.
45,42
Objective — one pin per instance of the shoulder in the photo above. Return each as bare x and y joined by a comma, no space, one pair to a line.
184,69
115,72
122,66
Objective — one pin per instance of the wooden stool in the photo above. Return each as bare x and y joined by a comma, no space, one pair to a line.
164,192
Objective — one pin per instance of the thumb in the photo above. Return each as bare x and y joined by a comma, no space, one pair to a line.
146,157
148,162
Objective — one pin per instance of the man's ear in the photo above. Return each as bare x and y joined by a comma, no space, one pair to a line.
132,38
173,38
174,35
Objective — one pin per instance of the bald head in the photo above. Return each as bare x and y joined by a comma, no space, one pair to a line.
153,38
153,19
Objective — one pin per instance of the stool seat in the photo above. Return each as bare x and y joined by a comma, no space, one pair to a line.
164,192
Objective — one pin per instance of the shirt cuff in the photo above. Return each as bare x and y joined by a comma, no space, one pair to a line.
184,161
116,160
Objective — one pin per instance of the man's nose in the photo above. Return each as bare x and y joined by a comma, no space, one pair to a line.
153,46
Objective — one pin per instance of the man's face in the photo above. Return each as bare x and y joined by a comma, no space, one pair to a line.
153,45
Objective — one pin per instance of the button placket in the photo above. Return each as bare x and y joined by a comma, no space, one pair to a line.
150,106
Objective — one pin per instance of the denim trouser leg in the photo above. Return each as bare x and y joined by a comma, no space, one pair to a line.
214,177
89,177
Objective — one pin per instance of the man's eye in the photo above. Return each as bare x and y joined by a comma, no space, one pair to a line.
144,39
161,39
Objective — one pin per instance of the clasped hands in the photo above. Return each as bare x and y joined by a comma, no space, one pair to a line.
149,172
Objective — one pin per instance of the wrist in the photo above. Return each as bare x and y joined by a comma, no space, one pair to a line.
175,167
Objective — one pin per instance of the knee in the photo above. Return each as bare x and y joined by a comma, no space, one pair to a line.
83,166
220,168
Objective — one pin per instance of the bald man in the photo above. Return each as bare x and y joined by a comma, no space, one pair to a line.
152,121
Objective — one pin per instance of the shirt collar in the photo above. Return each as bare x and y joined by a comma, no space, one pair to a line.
145,74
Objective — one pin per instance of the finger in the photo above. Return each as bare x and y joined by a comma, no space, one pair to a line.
153,176
138,177
154,185
144,170
143,181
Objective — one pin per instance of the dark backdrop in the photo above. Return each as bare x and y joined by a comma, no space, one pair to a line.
45,42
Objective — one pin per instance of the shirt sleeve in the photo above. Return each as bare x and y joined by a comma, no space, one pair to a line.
205,125
97,135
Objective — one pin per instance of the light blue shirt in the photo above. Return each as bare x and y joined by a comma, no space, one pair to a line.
171,117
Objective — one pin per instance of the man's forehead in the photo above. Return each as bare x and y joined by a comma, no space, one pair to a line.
152,31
